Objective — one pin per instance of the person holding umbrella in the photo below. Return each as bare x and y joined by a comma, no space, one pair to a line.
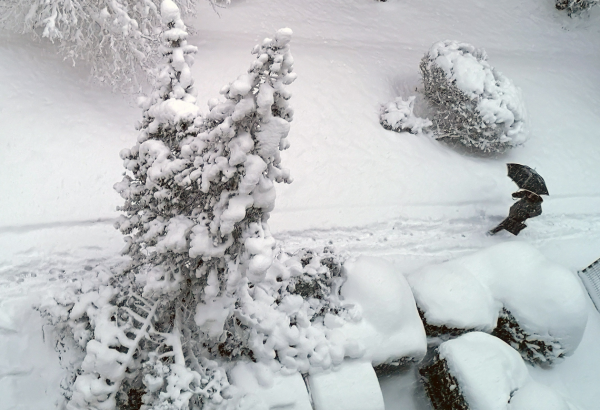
531,186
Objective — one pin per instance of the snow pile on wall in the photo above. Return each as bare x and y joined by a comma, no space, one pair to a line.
490,375
545,299
352,386
390,329
258,388
477,106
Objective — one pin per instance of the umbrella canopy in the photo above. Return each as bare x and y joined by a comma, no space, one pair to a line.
527,178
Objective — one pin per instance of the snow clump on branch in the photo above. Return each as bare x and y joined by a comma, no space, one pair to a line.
118,38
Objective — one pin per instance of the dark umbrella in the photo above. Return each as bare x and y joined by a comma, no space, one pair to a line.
527,178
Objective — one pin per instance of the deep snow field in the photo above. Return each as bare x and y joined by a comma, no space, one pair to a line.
358,187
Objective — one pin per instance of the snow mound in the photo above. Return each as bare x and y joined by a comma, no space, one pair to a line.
398,116
390,329
490,375
545,299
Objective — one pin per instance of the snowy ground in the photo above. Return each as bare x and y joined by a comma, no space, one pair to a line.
357,186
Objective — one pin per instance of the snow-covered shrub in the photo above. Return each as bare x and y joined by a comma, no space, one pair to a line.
479,371
118,38
283,320
398,116
510,289
476,106
575,6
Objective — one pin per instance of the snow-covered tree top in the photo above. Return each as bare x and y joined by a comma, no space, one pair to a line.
169,12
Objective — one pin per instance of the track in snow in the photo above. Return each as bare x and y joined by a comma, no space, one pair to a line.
407,243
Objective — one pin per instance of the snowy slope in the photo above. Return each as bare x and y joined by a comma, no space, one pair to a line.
352,56
358,186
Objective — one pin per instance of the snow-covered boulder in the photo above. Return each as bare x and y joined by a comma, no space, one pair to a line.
390,330
540,304
259,388
476,105
477,371
352,386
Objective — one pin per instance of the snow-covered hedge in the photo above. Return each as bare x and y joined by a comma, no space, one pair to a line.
533,304
477,371
575,6
476,106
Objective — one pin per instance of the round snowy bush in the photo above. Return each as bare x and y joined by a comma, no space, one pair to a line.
536,306
476,106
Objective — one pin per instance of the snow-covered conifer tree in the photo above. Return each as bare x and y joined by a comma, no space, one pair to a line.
134,319
206,285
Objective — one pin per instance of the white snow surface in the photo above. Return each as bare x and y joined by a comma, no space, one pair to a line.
545,298
364,189
536,396
259,388
491,374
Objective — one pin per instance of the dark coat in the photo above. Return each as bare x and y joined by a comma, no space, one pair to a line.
529,206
